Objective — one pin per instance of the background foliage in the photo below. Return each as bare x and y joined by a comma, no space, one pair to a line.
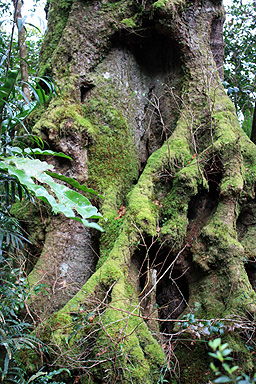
240,53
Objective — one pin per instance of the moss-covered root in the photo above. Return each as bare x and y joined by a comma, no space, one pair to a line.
108,305
220,286
109,287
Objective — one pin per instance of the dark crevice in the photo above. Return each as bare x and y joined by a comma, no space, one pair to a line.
63,163
144,163
155,53
201,208
213,172
169,297
85,87
159,71
172,297
246,233
246,220
201,205
250,268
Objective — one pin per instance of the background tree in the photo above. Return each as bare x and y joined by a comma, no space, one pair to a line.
240,64
22,47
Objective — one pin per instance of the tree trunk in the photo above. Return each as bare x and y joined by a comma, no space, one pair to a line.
22,49
146,120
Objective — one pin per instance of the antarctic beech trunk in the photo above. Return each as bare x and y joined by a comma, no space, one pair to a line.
144,116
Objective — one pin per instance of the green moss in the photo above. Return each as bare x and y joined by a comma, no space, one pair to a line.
219,246
143,210
143,364
62,119
113,157
227,125
232,184
174,156
59,325
58,16
141,198
34,218
189,354
111,231
160,4
249,160
248,243
175,204
203,304
226,142
113,168
86,379
140,356
28,360
129,23
243,357
165,3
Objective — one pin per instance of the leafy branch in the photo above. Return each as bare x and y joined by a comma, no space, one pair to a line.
221,353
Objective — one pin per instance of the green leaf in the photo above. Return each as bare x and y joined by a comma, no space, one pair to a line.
223,379
12,191
227,368
19,191
223,346
57,372
6,365
62,199
18,118
214,344
219,356
46,152
34,377
226,352
233,369
6,345
7,88
50,83
214,369
213,355
74,183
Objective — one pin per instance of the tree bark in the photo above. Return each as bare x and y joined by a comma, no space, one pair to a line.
22,49
145,117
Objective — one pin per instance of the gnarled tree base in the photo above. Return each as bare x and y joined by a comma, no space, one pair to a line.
147,113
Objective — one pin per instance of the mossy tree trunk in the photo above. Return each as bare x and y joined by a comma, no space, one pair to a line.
145,117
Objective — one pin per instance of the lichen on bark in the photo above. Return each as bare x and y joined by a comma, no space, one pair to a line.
146,119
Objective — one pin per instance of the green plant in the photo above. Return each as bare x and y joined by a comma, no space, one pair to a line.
24,176
206,327
20,172
164,372
17,376
14,331
239,67
42,377
221,353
